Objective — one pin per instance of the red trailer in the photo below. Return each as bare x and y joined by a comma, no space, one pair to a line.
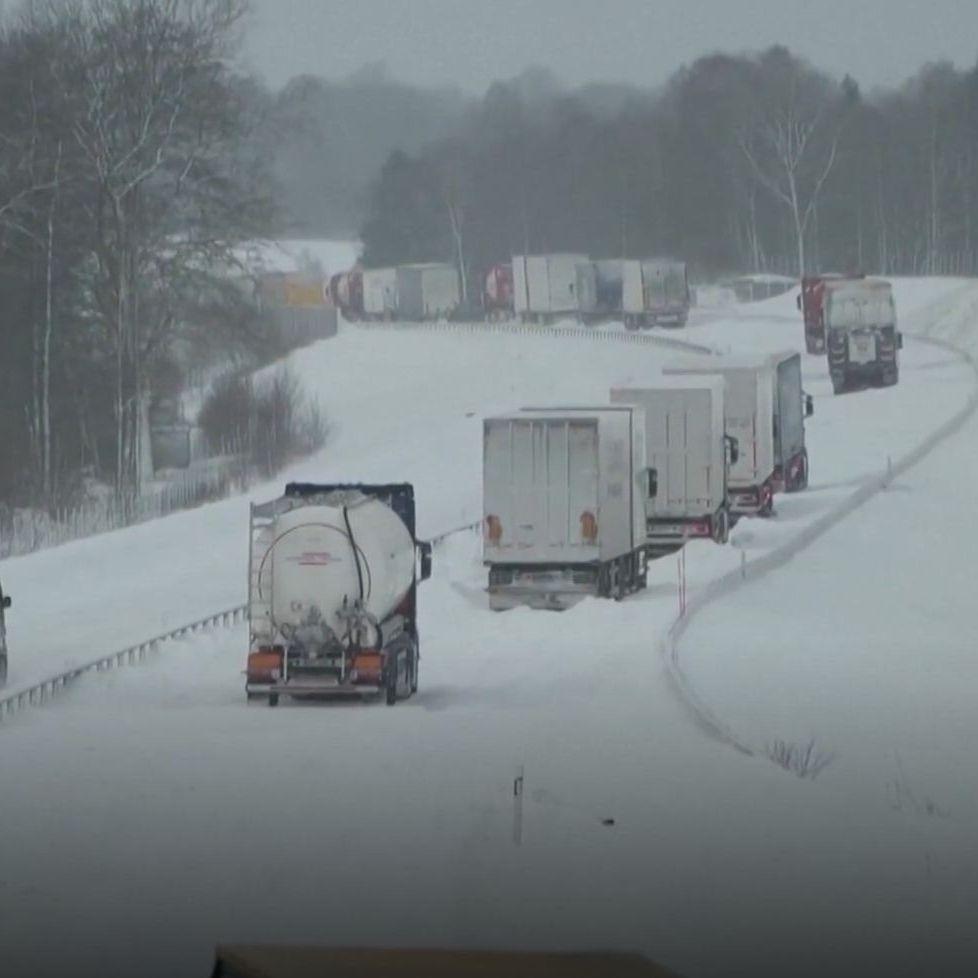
497,292
811,301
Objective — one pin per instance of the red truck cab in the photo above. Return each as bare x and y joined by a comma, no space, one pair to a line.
811,301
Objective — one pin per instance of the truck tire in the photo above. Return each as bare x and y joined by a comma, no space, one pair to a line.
890,377
800,479
391,686
3,670
721,527
414,672
273,699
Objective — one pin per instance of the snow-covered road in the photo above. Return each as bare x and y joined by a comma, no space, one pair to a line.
150,813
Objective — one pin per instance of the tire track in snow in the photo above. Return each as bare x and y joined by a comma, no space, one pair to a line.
670,644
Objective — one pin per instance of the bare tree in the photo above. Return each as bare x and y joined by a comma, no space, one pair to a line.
791,141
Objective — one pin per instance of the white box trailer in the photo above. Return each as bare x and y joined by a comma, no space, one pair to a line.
687,451
791,407
749,417
380,293
545,286
765,410
564,504
655,292
599,290
427,291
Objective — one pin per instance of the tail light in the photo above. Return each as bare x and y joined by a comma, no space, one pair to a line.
699,528
265,665
494,529
589,527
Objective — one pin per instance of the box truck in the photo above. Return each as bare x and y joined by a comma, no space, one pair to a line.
427,291
654,293
564,493
599,290
688,454
765,410
545,286
379,293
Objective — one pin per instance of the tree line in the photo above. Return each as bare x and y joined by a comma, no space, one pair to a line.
740,163
127,178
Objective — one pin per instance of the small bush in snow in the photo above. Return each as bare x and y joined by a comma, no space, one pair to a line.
806,761
269,421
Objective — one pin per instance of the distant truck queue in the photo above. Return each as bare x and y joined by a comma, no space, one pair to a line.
530,288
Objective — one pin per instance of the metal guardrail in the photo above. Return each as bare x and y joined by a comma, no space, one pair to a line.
46,689
527,329
41,692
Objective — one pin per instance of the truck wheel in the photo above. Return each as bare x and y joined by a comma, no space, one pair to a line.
414,673
721,529
273,699
390,693
3,670
800,479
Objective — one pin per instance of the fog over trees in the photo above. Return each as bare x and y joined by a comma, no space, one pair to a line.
135,158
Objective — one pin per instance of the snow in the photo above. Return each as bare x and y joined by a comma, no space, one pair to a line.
296,254
155,813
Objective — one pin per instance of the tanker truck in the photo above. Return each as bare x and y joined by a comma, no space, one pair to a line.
862,339
332,592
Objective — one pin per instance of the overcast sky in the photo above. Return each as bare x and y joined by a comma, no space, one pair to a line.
469,43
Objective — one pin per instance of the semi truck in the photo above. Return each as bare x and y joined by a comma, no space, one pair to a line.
497,292
333,572
346,291
689,456
379,293
564,492
862,339
427,291
5,603
811,302
599,290
765,409
654,293
545,286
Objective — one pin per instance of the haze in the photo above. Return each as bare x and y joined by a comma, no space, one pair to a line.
470,43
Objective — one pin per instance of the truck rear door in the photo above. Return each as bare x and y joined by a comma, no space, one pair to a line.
541,477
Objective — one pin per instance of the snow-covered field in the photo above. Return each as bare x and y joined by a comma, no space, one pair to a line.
151,812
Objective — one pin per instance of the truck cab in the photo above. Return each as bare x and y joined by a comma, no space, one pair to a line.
5,603
862,338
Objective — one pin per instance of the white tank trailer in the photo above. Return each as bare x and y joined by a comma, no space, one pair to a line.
564,495
332,603
689,456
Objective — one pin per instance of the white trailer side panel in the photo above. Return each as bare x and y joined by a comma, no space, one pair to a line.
748,412
544,470
684,439
546,284
380,291
439,290
632,293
